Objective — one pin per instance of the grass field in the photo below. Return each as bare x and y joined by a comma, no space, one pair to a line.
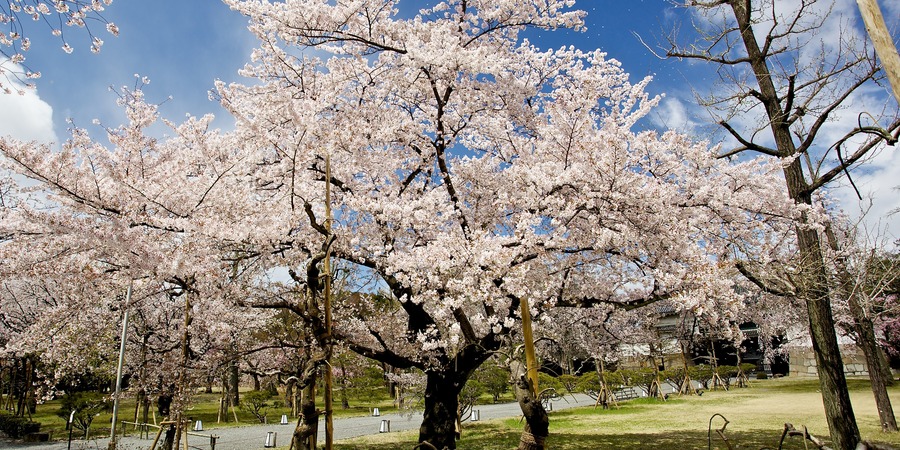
757,416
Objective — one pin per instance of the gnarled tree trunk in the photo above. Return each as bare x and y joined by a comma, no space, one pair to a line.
442,390
537,423
305,434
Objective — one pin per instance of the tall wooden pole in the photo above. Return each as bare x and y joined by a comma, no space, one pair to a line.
530,359
329,411
884,45
182,377
115,413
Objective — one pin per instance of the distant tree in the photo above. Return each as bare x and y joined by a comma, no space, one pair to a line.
469,396
701,373
256,403
590,384
861,281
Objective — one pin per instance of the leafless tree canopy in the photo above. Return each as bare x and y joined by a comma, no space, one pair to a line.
817,75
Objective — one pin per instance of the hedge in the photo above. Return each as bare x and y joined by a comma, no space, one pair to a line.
16,427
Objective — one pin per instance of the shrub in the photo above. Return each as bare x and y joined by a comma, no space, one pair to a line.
589,384
726,373
549,385
674,377
494,378
569,383
644,378
16,427
468,397
86,406
701,373
257,403
614,380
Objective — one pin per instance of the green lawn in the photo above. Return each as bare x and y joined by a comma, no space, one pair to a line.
757,416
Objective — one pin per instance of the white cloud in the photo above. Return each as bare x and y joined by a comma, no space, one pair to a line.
878,184
889,8
670,113
25,116
674,114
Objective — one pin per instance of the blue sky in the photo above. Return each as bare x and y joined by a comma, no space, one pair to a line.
182,46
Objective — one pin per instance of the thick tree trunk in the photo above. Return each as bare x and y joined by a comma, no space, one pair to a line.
222,415
145,410
139,403
442,390
256,384
234,380
289,395
13,383
835,394
537,423
885,366
4,389
345,401
305,434
27,387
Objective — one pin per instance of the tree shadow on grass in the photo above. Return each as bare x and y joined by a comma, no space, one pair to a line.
672,440
677,440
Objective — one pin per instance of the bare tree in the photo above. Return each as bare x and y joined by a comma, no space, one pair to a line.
795,77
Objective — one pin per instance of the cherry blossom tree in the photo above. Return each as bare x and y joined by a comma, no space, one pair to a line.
472,170
854,262
99,218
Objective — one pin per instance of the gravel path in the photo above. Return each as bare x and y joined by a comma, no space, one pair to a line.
252,437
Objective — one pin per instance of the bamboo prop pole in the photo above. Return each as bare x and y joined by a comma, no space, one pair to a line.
162,426
530,358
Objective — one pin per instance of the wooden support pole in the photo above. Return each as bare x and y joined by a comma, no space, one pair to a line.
329,400
884,45
531,368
